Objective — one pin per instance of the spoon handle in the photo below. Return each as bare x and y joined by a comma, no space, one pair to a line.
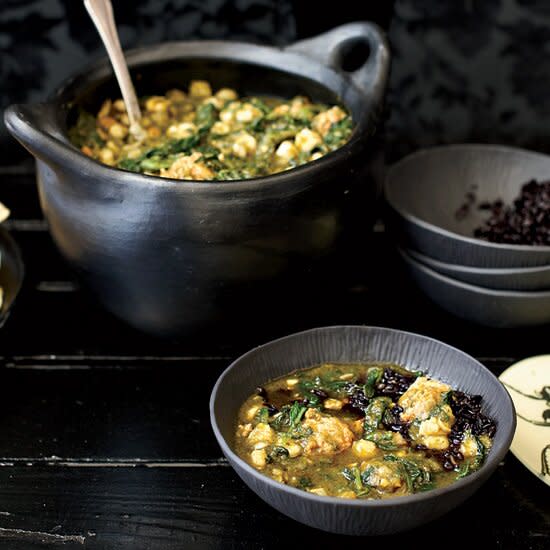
101,12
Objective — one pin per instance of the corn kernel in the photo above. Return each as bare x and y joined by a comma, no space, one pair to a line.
332,404
259,458
107,156
226,94
200,88
118,131
119,105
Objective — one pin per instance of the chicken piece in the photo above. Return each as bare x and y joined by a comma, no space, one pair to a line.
285,152
329,435
306,140
188,167
297,105
382,476
421,398
365,449
243,430
469,447
262,433
247,113
181,130
258,458
244,145
323,121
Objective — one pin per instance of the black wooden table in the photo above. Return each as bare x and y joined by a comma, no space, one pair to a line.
105,435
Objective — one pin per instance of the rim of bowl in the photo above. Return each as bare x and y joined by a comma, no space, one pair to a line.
326,162
493,460
446,232
475,270
474,288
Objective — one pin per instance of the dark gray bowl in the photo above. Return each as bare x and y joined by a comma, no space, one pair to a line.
11,273
359,344
493,308
511,278
425,190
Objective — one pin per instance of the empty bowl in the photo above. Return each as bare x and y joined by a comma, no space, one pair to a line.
425,191
494,308
359,344
511,278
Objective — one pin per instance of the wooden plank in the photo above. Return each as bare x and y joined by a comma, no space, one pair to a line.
110,410
52,316
108,414
168,509
19,193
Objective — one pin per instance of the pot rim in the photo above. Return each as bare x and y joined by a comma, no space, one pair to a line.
225,51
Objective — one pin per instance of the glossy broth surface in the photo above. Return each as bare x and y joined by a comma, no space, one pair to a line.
362,431
200,134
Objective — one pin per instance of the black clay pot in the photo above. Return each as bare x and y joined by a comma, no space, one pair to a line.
168,256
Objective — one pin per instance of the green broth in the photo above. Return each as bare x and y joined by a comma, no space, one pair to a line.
201,135
357,431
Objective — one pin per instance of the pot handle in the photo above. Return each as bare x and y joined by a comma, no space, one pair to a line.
33,125
331,47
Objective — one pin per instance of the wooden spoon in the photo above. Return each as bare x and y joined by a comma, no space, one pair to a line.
101,12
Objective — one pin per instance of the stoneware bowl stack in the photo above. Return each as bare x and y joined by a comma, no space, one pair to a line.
498,285
359,344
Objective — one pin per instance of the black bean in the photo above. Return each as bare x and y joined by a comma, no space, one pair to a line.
319,393
525,221
357,401
393,385
271,409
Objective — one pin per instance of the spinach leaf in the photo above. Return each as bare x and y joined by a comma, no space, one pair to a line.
259,104
262,415
162,156
332,388
373,377
463,470
305,483
466,468
289,417
417,477
339,132
129,164
358,480
205,117
374,413
382,439
208,152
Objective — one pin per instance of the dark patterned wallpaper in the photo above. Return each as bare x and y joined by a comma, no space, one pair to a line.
470,70
463,70
44,41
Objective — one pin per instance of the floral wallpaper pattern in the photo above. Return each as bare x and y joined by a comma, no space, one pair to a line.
469,70
463,70
42,42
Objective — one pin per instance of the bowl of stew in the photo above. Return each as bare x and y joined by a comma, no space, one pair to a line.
361,430
249,177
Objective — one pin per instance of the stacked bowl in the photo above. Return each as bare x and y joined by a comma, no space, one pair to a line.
434,199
